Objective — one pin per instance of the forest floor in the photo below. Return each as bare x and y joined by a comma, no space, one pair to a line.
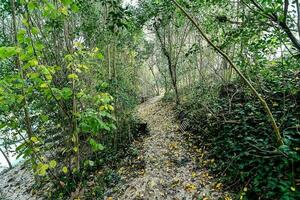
171,164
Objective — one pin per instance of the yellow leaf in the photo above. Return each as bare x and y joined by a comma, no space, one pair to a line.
65,169
52,164
42,169
42,172
48,76
293,189
227,197
34,139
218,186
43,85
33,62
111,108
245,189
64,10
102,108
194,174
109,198
75,149
190,187
72,76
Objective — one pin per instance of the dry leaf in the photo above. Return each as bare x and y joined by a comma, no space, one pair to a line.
190,187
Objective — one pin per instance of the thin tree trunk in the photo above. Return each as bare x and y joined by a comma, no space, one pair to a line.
171,67
156,81
6,158
18,66
298,16
108,45
74,132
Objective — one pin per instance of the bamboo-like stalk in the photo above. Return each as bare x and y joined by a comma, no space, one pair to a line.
226,57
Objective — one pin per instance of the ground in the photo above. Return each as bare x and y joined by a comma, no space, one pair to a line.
16,184
172,167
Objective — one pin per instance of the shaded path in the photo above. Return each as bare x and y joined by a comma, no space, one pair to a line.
171,171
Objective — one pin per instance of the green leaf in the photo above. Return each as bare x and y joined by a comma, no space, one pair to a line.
74,8
31,6
33,75
57,93
95,146
33,62
34,30
43,85
91,163
21,35
39,46
284,148
66,2
100,56
44,118
66,93
7,52
48,77
69,57
104,85
25,22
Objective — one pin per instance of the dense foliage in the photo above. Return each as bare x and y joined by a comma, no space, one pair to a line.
73,71
237,133
65,94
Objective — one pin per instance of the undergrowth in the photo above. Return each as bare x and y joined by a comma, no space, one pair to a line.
234,127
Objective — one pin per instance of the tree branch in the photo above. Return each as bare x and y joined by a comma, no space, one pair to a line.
226,57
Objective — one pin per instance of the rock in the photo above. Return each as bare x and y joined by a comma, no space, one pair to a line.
16,184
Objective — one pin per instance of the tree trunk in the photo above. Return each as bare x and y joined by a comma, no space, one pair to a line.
6,158
298,16
156,81
19,67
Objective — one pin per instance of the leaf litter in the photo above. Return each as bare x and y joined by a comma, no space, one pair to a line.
173,169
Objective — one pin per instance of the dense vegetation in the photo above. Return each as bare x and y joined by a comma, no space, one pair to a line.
73,71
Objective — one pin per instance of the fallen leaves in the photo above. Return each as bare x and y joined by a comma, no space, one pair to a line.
170,162
173,146
218,186
190,187
227,197
194,174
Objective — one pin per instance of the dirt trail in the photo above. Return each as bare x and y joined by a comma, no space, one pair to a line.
171,171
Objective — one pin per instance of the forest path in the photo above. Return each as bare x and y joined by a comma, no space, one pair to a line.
170,170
